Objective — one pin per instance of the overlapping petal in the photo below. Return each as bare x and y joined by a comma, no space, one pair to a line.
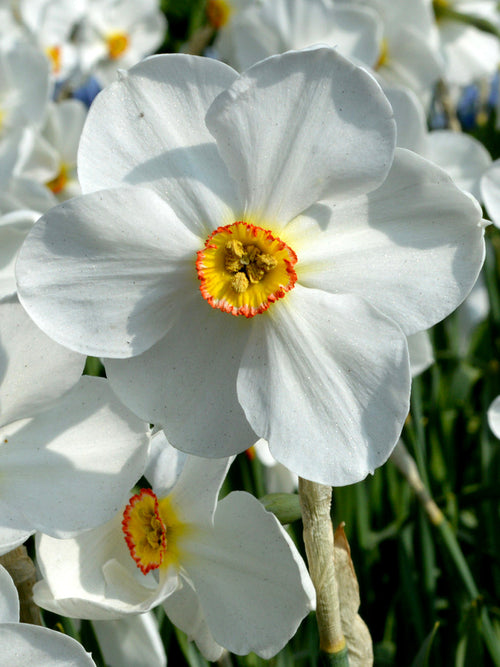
34,371
187,381
25,644
250,603
120,264
387,246
158,137
90,443
325,379
331,135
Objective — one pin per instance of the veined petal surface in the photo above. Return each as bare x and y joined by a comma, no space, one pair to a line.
325,379
105,273
186,382
9,598
148,129
413,248
25,644
34,371
302,126
253,586
90,443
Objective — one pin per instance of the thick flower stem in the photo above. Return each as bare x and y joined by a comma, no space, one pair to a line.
315,501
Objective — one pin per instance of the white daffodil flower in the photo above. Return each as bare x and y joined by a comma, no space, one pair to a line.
118,34
408,55
253,257
469,53
226,572
464,158
49,156
69,450
51,24
274,26
26,644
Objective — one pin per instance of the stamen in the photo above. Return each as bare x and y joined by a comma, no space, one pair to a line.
145,532
244,268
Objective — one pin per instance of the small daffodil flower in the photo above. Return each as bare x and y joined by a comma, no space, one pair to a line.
226,572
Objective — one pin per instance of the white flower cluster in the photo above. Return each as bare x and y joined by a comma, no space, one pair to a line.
247,253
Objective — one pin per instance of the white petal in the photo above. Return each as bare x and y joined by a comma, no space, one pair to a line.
302,126
35,372
74,581
252,583
67,443
464,158
184,610
194,496
421,352
494,416
410,118
187,382
13,229
165,464
15,528
413,248
131,641
24,644
490,190
152,122
325,379
104,273
9,598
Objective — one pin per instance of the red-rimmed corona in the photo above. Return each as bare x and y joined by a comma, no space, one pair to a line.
150,527
244,268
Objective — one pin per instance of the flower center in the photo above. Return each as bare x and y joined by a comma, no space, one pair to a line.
57,184
117,44
145,532
218,13
54,55
243,269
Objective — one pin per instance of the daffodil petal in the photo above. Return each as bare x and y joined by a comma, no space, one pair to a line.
413,248
120,265
27,386
252,584
157,137
186,382
326,380
25,644
331,134
66,443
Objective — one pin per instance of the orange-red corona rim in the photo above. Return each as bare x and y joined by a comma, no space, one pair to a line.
243,269
145,532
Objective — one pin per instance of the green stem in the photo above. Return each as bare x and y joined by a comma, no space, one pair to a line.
443,11
408,468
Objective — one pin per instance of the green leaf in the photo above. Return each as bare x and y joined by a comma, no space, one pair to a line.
423,656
